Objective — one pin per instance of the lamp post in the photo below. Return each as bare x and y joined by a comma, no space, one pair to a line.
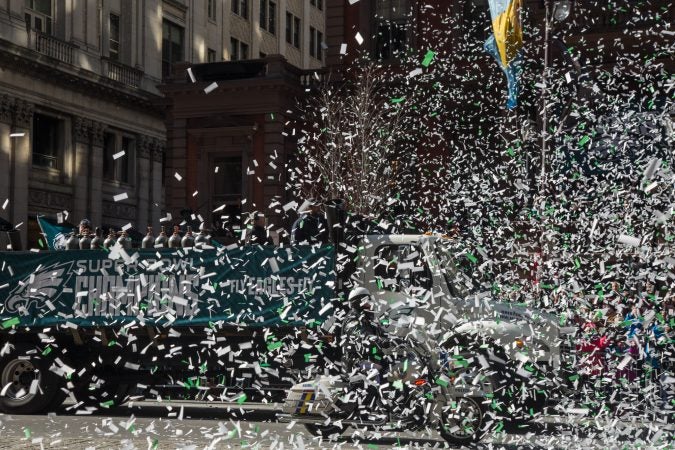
556,12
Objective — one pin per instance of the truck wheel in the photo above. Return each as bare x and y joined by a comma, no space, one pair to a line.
324,430
463,422
28,386
59,397
101,393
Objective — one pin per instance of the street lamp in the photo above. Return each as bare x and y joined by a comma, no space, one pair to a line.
559,11
555,11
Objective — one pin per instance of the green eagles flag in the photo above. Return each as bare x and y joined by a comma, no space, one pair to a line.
55,234
250,286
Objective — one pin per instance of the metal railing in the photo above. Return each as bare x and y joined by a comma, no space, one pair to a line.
314,77
52,46
122,73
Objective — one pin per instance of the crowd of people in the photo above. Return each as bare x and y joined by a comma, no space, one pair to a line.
311,227
625,338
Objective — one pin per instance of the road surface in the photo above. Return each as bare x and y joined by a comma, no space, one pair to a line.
190,425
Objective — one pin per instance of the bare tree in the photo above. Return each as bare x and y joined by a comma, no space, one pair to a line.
351,148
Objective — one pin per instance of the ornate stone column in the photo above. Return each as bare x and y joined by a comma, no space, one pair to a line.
156,203
81,185
6,117
143,175
20,157
96,173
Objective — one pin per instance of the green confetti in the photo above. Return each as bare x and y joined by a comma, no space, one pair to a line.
47,351
584,140
471,258
107,404
40,243
500,427
242,398
155,443
428,58
10,322
27,433
308,357
441,382
397,100
274,346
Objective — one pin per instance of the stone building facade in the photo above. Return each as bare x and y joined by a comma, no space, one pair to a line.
81,116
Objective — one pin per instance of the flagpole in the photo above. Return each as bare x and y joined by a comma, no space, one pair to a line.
544,115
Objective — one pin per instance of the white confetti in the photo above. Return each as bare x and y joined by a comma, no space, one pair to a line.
120,197
629,240
211,87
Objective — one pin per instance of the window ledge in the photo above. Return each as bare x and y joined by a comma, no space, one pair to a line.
114,184
46,170
245,19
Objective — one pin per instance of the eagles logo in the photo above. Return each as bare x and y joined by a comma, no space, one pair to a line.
47,284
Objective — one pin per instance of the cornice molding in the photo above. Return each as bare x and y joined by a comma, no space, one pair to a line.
6,109
144,146
158,149
23,113
19,59
82,128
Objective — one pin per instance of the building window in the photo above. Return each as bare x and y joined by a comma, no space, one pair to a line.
292,30
47,141
391,22
114,49
289,27
227,183
268,16
296,32
262,55
238,50
234,49
210,55
240,8
118,157
211,9
315,39
38,15
317,3
172,46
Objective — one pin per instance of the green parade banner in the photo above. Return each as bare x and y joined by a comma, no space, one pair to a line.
252,286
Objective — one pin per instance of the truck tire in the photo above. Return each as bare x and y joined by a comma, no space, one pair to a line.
463,422
28,386
324,430
57,401
101,393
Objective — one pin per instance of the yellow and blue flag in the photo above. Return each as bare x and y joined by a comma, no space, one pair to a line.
506,42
